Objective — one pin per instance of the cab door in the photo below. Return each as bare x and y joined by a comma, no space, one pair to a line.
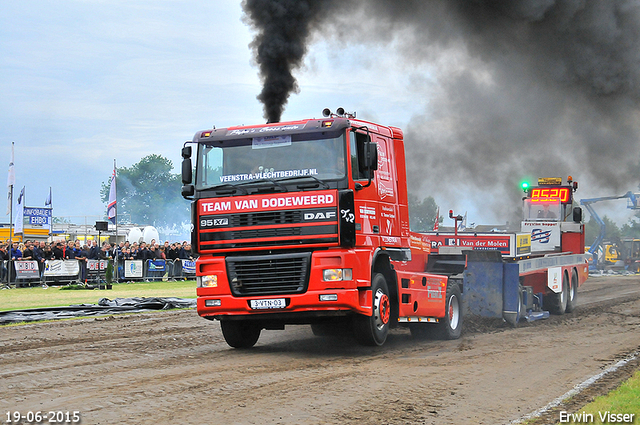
387,197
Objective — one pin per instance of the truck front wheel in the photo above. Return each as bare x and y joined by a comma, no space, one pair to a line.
240,334
373,330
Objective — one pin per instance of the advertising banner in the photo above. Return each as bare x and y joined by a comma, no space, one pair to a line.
27,269
156,265
324,198
188,267
503,242
61,268
133,269
38,216
545,235
97,265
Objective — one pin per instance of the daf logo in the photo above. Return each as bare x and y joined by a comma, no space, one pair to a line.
319,215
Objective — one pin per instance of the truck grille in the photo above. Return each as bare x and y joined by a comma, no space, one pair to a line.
287,228
268,217
269,274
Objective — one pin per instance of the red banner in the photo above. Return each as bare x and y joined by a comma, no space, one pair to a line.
270,202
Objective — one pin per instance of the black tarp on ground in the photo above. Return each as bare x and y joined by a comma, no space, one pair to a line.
104,307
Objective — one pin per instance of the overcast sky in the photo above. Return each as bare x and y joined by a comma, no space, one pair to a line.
85,82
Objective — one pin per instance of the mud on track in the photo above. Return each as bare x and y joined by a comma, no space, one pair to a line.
174,367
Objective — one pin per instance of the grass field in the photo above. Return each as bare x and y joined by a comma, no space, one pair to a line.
54,296
626,399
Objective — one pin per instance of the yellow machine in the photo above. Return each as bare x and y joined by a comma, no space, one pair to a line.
611,254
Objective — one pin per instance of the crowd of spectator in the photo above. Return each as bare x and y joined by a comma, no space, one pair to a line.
153,251
69,250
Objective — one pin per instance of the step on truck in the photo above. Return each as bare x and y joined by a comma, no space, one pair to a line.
306,222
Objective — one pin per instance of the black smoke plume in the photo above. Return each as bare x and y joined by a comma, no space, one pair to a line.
523,88
512,88
283,28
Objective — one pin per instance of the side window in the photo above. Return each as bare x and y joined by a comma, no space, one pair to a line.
356,142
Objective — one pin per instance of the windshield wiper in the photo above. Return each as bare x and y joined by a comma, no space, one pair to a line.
230,189
320,182
273,182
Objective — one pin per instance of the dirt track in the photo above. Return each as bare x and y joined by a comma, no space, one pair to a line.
174,367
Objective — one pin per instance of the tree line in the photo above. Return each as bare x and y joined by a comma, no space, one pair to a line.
149,193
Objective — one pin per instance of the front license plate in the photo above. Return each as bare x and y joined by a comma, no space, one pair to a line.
267,304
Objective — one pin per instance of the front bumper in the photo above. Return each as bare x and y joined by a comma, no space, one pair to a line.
321,298
307,305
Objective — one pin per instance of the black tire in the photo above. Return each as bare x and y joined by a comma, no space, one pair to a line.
573,292
450,326
373,330
240,334
521,311
558,301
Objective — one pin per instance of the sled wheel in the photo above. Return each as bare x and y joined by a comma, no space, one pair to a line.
558,301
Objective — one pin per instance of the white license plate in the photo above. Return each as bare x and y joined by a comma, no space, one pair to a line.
267,304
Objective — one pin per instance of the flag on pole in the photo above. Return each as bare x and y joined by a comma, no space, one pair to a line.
47,202
111,206
11,180
436,224
463,223
17,226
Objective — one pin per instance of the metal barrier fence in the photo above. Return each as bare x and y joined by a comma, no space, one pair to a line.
150,270
61,272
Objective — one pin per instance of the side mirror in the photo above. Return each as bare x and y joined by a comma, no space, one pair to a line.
186,152
188,190
577,215
187,170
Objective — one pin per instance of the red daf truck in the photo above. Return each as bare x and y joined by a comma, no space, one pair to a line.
306,222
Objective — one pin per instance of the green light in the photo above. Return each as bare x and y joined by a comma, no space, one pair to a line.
525,185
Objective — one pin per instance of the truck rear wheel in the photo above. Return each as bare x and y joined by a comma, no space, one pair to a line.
373,330
558,301
573,292
240,334
450,326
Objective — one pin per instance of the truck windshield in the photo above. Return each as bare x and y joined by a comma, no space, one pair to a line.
544,211
240,161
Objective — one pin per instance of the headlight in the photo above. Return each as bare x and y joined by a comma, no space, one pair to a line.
208,281
334,275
